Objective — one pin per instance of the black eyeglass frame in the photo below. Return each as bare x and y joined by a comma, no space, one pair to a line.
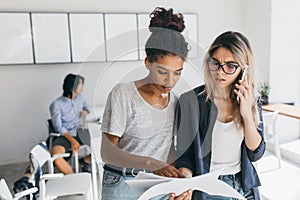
217,63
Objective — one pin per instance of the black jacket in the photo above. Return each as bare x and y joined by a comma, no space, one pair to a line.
196,117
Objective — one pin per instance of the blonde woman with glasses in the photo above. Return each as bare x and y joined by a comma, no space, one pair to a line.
219,123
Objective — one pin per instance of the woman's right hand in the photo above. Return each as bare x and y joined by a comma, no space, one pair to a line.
163,169
75,146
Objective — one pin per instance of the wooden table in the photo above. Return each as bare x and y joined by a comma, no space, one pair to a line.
284,109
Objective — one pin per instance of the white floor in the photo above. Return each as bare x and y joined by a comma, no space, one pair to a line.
278,184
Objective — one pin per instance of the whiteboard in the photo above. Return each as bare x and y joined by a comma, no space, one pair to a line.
144,33
15,39
191,33
51,38
87,37
121,36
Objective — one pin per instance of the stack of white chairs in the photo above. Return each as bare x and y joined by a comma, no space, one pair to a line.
6,195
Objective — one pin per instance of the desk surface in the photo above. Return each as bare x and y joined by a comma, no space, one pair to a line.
284,109
95,114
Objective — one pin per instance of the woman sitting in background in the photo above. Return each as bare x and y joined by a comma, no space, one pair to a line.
66,112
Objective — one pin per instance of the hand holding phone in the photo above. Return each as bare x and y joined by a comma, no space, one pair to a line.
242,79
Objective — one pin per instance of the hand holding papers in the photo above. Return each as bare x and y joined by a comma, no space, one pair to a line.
146,185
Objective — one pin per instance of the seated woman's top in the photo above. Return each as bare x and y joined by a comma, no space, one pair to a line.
66,113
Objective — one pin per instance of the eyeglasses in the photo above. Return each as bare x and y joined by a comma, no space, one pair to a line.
228,67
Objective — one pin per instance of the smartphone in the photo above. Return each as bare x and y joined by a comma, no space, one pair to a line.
242,79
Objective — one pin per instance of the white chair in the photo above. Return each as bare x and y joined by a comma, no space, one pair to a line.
51,185
269,119
6,195
84,149
96,161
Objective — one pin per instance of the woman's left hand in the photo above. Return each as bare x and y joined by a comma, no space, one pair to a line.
187,195
83,113
243,91
168,171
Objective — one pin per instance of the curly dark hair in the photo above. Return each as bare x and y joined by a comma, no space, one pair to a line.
166,37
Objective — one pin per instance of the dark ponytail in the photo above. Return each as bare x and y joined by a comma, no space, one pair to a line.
70,84
166,37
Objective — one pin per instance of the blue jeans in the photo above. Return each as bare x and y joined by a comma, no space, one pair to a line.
114,187
235,182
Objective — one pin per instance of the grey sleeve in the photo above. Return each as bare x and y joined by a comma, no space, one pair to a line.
115,113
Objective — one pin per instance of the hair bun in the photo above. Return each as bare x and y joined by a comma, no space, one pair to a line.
162,18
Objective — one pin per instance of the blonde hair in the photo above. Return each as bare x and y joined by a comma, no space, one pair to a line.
240,47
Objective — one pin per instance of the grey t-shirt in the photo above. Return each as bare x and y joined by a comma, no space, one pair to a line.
143,129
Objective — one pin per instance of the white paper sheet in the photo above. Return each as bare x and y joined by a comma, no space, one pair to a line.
146,185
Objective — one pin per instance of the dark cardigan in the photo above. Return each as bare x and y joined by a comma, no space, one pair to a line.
195,118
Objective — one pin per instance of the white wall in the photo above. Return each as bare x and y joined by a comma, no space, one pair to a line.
271,27
257,26
285,51
285,63
27,90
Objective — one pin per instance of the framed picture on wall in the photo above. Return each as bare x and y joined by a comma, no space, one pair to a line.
87,37
51,37
121,37
15,39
